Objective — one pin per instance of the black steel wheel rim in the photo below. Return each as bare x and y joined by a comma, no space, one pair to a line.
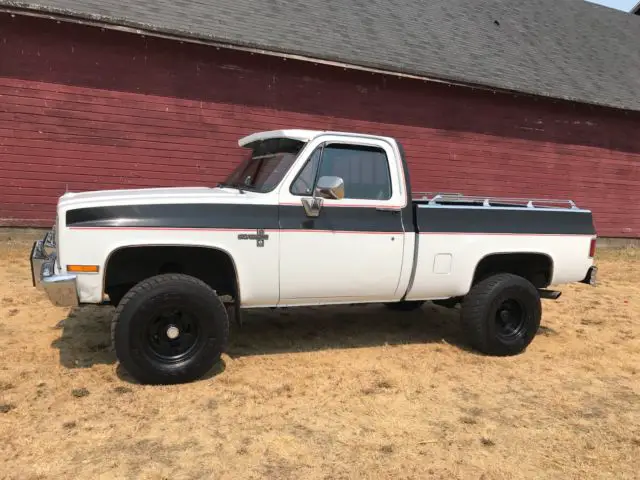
510,320
172,335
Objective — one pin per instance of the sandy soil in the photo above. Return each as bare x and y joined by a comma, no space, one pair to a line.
353,392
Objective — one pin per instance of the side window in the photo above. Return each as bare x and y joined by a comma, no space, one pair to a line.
365,170
303,184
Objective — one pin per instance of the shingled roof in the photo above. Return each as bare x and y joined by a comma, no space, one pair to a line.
564,49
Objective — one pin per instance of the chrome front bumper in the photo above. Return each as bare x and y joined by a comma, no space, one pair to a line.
61,289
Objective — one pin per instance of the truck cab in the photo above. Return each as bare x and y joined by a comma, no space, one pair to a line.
355,216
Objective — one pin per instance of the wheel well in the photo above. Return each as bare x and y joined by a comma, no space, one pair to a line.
130,265
535,267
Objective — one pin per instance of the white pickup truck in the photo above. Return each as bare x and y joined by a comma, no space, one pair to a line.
308,218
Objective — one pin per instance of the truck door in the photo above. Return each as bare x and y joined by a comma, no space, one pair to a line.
352,250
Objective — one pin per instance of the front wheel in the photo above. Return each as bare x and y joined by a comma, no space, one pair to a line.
501,314
170,328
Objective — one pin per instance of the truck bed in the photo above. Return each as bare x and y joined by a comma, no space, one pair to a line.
455,233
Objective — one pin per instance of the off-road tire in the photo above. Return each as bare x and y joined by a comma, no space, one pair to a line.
137,315
482,311
404,306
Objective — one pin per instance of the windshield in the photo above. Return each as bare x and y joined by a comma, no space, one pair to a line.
265,165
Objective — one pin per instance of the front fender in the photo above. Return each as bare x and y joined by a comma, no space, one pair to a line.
256,269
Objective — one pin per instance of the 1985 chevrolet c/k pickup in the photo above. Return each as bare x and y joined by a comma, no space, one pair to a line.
309,218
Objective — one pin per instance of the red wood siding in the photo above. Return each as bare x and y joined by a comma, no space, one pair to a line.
82,108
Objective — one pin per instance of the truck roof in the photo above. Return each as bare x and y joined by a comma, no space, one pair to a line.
297,134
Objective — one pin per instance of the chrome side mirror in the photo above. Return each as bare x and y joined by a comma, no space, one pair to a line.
330,187
327,187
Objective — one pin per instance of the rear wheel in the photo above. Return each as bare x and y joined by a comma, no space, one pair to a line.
169,328
501,314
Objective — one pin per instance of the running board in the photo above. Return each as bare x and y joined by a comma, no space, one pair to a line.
549,294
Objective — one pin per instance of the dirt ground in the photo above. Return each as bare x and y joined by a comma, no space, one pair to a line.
349,392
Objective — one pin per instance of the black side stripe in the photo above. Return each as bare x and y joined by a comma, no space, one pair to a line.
241,217
346,219
187,215
508,221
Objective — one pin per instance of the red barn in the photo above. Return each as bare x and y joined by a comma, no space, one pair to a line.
535,99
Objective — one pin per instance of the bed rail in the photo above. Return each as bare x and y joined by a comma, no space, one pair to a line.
431,198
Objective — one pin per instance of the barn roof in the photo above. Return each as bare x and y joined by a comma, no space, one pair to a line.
564,49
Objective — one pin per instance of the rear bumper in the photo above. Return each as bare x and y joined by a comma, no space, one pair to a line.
61,289
590,278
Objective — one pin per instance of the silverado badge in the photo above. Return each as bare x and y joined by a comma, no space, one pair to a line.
259,237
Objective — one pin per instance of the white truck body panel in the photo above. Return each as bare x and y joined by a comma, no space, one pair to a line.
566,251
339,267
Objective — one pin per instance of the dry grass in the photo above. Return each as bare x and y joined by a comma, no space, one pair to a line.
334,393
